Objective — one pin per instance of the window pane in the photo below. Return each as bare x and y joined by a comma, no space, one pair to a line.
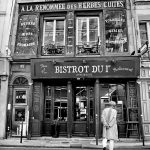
82,31
60,104
59,33
20,114
88,41
48,33
80,104
115,28
143,33
20,97
93,30
54,37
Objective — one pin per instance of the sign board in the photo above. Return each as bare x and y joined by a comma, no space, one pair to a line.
90,69
27,35
67,6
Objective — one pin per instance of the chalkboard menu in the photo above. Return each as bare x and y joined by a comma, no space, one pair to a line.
115,28
27,35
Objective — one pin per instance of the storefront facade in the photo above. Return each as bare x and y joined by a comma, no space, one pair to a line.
70,59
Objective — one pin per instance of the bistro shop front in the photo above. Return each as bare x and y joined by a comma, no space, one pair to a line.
73,92
70,59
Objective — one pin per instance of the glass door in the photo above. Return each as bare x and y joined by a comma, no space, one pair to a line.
83,115
55,109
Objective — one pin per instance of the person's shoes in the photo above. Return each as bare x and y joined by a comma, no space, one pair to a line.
104,148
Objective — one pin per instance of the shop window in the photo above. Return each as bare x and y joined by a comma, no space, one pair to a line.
53,36
92,106
115,32
87,36
60,103
48,101
117,93
144,34
81,104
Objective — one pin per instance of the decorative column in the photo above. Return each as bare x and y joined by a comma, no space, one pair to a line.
97,111
69,110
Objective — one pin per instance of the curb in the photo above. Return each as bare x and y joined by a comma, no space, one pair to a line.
76,145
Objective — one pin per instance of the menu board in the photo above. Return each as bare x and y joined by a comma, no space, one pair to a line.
27,35
115,28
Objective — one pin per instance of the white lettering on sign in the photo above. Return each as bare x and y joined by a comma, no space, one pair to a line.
82,69
71,6
113,4
122,69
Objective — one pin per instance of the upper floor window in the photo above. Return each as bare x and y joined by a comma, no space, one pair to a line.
53,36
144,33
87,35
115,32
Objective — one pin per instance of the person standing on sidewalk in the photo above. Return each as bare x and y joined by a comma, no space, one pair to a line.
110,130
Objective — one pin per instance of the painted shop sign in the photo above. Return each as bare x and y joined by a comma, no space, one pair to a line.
70,6
27,35
92,69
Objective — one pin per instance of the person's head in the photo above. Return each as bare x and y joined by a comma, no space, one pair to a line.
112,104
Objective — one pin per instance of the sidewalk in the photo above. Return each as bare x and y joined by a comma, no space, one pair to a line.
90,143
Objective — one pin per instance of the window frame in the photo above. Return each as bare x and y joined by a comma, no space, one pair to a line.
14,98
97,44
87,29
147,24
53,18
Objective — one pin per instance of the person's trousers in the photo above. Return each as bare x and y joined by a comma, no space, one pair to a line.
111,143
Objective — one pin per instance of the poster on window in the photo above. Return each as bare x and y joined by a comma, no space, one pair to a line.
27,35
115,31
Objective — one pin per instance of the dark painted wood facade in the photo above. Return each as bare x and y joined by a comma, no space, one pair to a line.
71,80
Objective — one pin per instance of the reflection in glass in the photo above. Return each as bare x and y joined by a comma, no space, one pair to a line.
88,36
80,104
53,37
117,93
115,28
60,103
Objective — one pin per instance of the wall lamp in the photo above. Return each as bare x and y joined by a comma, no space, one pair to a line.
113,61
84,61
54,62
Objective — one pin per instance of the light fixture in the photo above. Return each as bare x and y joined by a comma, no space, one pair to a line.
84,61
54,62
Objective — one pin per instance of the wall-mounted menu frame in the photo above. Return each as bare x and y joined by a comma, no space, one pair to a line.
27,34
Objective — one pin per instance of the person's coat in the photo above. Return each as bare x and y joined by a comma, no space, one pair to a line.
109,119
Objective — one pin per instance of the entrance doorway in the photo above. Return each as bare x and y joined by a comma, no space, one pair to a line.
55,110
83,114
